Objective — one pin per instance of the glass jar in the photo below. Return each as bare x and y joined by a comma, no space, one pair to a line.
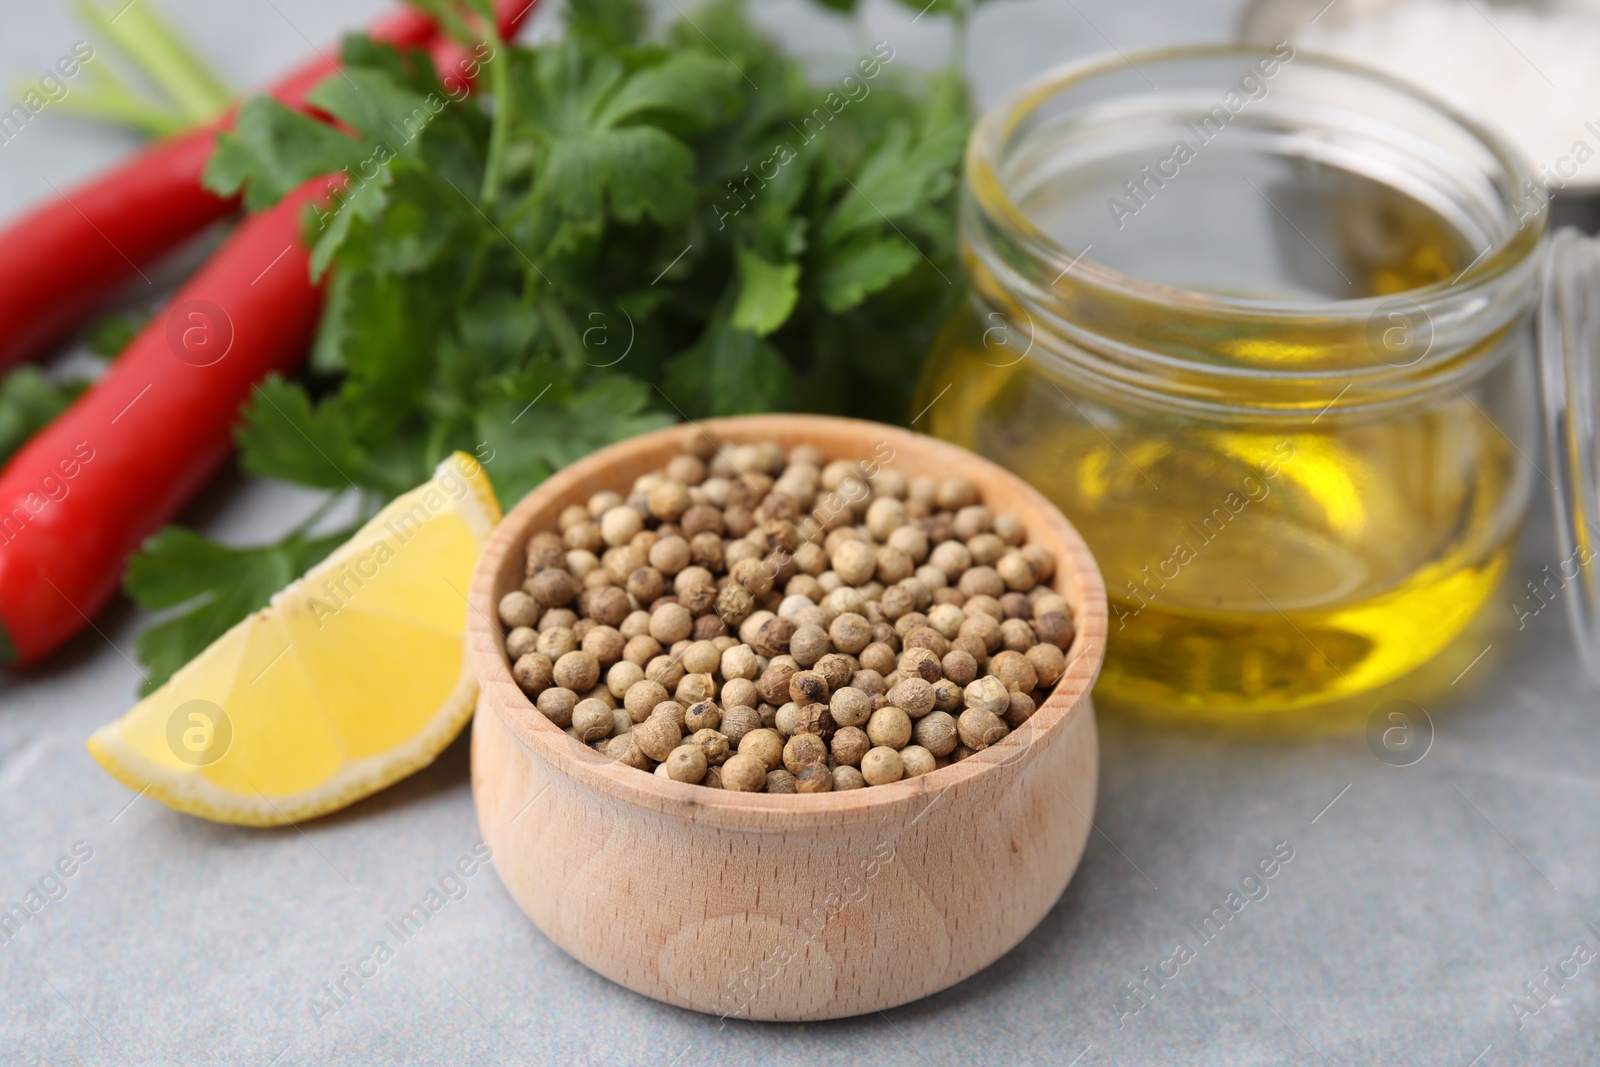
1262,324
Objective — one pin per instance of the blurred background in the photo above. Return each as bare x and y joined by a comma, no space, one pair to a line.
1424,896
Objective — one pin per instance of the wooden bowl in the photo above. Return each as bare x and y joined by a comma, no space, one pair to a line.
799,906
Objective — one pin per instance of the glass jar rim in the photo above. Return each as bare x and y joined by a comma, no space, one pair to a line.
988,189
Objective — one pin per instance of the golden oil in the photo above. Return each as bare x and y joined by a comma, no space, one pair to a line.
1248,568
1260,323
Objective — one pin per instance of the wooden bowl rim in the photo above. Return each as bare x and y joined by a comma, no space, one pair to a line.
486,639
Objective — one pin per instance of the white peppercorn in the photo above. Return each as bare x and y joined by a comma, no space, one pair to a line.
985,628
879,657
882,766
936,732
979,728
739,720
579,563
622,749
744,773
980,581
911,540
686,763
619,524
849,744
557,704
1013,569
533,673
737,691
702,715
845,777
959,666
854,562
946,620
520,641
591,720
947,695
814,778
665,669
1013,669
640,648
642,697
1049,663
787,718
555,642
951,557
916,761
694,688
850,706
713,743
765,745
988,694
577,670
517,608
1020,710
914,696
657,736
850,633
1017,635
919,663
808,687
1055,628
604,643
672,710
623,676
889,726
809,644
803,749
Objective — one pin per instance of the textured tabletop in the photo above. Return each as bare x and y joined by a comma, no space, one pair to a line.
1409,904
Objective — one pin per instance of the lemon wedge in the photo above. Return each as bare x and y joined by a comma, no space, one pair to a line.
353,677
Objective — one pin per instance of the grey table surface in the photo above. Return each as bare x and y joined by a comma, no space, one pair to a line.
1418,901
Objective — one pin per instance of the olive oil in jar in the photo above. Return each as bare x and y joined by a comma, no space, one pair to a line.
1279,555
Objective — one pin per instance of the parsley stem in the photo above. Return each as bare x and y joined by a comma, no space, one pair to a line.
958,37
304,528
193,92
480,258
500,80
560,326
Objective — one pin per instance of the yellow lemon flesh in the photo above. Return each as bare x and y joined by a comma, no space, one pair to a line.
353,677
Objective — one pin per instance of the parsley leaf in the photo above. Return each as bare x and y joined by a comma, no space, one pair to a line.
530,439
642,227
110,335
730,371
29,400
272,150
862,267
767,293
284,436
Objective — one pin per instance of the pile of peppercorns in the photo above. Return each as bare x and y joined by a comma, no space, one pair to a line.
756,619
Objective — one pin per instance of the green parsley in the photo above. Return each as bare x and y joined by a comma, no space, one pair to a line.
616,231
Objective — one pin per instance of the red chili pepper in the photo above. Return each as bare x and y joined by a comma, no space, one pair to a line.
69,254
79,497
